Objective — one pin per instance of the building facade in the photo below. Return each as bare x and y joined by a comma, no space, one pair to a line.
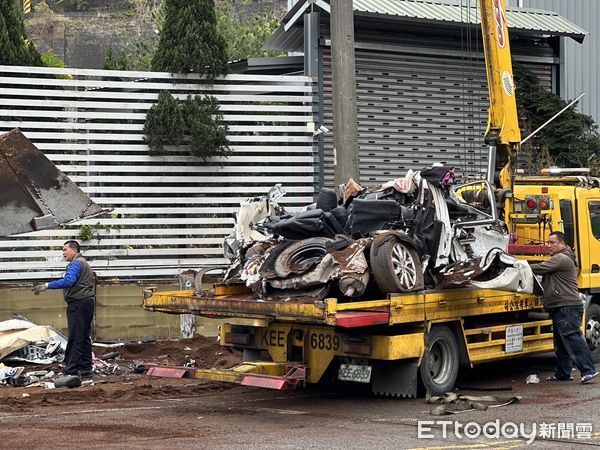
421,87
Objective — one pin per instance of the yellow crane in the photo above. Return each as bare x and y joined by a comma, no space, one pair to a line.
502,133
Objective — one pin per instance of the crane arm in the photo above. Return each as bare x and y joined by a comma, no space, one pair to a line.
503,125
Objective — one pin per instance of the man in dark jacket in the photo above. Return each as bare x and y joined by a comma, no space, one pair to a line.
562,300
78,287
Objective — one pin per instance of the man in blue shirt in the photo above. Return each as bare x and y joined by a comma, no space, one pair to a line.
78,287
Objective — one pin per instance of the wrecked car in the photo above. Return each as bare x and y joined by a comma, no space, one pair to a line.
420,231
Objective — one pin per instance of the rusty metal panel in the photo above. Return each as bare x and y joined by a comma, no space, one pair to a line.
34,194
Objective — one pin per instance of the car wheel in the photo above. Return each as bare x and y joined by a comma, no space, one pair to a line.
396,267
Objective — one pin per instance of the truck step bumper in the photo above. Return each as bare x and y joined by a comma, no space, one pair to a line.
260,374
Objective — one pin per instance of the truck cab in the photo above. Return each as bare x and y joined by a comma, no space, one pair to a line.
567,203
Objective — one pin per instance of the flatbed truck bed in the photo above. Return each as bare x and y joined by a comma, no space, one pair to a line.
379,341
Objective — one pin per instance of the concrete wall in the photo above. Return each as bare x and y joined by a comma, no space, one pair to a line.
119,314
82,38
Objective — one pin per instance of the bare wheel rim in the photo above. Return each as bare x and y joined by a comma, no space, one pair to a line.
404,265
592,332
440,365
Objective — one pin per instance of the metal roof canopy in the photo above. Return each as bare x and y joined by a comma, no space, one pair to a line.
289,36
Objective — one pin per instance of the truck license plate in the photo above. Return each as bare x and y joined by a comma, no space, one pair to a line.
352,372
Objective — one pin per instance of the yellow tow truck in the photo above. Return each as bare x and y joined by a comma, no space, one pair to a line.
384,341
374,341
567,202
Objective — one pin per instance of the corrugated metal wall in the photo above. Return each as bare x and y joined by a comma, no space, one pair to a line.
580,65
414,110
170,212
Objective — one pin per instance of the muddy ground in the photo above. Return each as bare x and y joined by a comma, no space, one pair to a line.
126,386
135,411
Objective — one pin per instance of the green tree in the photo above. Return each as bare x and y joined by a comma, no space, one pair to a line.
190,40
49,59
15,48
196,121
568,141
165,124
115,62
245,35
205,129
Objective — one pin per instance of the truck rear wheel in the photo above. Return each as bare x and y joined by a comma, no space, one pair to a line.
396,267
442,371
592,330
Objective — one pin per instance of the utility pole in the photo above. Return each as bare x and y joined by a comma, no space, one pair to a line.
345,134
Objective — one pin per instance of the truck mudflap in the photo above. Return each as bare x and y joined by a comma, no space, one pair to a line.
271,375
34,194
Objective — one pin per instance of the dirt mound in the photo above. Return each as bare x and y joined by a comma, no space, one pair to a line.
204,352
127,386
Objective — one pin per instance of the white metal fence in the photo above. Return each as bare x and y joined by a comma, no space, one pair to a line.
170,212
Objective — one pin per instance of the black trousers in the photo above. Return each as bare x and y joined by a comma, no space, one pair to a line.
569,344
78,356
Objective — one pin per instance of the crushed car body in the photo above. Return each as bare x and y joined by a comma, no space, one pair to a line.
418,232
24,341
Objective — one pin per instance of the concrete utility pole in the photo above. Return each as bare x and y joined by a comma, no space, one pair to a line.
345,134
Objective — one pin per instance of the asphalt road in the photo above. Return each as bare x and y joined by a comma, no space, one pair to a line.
564,415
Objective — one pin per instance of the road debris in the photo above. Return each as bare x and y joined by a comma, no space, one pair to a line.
128,368
453,403
24,341
532,379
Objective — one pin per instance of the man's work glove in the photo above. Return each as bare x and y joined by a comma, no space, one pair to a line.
40,288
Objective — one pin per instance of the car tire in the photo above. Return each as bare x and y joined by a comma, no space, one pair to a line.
396,267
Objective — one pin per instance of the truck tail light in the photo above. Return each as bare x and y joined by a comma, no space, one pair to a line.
543,203
531,203
237,338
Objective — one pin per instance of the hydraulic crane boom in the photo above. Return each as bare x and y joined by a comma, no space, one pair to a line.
502,133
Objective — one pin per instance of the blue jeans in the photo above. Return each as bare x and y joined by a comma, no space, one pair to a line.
569,344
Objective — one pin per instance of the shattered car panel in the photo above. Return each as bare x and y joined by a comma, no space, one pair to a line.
21,340
34,193
495,270
415,232
507,272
